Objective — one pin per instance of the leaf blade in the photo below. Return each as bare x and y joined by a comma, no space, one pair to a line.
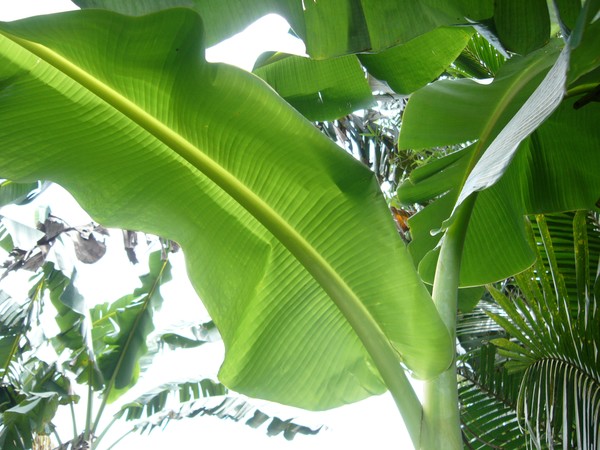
263,284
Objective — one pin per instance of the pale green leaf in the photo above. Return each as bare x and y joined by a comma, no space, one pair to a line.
544,100
275,220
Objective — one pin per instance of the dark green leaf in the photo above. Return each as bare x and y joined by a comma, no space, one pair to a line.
412,65
522,26
121,329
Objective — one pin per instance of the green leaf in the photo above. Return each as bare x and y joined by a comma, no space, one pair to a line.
120,330
457,111
320,90
468,298
33,414
540,173
412,65
275,220
331,28
155,401
568,11
585,58
542,102
488,397
479,59
553,346
15,192
222,18
226,408
39,376
522,26
70,308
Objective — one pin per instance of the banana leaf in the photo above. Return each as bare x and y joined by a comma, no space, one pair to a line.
331,28
275,220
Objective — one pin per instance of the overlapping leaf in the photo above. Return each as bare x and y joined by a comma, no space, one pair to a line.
147,135
320,90
412,65
522,26
331,28
539,179
488,398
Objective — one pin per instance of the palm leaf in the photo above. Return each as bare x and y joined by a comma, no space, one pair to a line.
554,348
479,59
488,395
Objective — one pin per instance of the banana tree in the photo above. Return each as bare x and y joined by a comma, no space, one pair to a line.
103,349
275,220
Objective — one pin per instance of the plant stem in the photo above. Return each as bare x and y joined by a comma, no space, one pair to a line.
112,422
119,440
73,420
441,417
88,417
57,436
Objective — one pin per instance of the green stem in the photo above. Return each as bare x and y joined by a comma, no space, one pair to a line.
441,417
119,440
112,422
57,436
73,421
88,416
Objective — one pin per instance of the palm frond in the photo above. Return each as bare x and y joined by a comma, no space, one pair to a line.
488,397
479,59
156,400
227,408
554,346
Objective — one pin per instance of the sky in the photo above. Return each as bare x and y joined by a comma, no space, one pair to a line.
373,423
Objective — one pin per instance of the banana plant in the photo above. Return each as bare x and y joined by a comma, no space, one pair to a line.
104,349
121,108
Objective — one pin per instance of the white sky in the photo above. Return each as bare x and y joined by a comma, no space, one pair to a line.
374,423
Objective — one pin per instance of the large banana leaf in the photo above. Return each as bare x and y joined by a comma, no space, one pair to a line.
522,26
275,220
537,175
331,28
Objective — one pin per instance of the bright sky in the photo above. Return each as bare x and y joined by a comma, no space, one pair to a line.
374,423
